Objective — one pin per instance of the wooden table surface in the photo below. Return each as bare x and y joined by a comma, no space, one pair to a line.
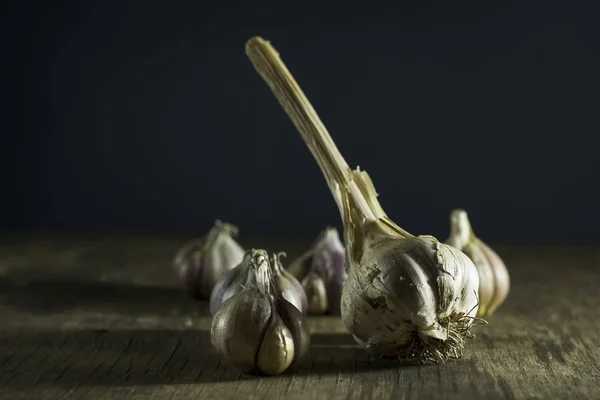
103,318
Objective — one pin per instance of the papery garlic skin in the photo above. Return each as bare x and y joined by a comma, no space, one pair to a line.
413,301
258,330
322,272
494,280
200,263
233,282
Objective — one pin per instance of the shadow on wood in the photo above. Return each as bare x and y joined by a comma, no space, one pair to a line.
123,357
58,295
150,357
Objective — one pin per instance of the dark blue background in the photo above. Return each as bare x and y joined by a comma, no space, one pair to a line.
147,116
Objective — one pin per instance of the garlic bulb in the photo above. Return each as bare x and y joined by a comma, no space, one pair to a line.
233,282
494,281
200,263
321,272
256,329
406,296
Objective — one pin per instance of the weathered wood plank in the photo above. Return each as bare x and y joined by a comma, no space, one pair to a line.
103,319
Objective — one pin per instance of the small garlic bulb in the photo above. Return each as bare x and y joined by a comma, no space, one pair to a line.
494,281
200,263
234,280
406,296
321,271
256,329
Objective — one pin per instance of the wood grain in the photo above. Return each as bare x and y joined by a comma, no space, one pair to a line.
103,318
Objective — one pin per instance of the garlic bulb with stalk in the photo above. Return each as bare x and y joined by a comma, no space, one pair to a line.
233,282
406,296
256,329
200,263
494,281
322,272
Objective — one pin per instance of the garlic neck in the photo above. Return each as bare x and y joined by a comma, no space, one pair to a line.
226,228
261,273
460,229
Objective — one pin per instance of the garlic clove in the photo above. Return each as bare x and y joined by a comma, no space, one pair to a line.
239,327
316,293
501,278
494,280
324,262
486,276
297,325
200,263
188,266
289,286
277,348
